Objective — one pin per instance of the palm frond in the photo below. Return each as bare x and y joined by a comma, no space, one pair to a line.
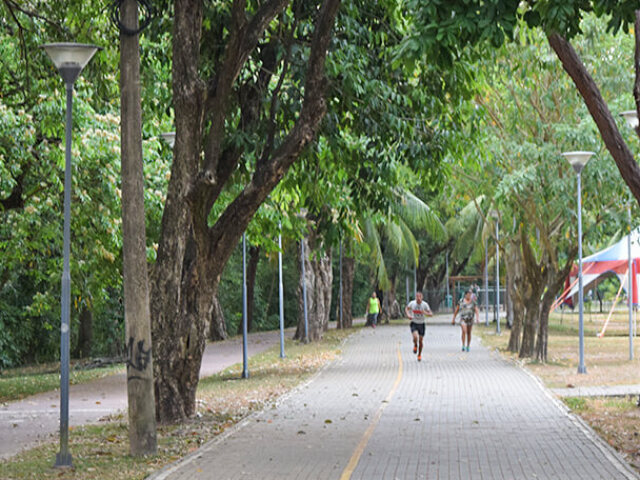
417,214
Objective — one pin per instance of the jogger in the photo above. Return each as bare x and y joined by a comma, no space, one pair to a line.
467,307
416,312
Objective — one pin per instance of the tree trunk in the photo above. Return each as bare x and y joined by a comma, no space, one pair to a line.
527,348
252,271
516,288
140,394
531,292
508,301
348,275
613,140
85,334
318,278
192,253
555,281
218,325
393,307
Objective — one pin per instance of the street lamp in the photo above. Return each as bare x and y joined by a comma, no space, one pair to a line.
631,117
169,137
578,160
486,283
280,291
496,215
245,321
303,256
69,59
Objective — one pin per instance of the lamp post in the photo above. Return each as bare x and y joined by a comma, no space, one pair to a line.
578,160
245,359
406,284
486,284
630,284
341,311
169,137
497,273
304,292
281,291
69,59
446,258
631,117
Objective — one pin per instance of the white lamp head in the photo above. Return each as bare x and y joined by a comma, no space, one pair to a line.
70,58
578,159
631,117
169,137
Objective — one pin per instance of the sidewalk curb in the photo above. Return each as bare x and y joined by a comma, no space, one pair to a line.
186,460
615,457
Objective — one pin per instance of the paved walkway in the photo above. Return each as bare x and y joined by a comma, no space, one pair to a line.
599,391
27,422
376,413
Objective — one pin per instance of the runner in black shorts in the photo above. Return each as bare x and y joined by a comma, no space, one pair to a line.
416,312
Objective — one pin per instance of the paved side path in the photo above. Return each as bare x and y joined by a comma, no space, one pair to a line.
599,391
25,423
379,414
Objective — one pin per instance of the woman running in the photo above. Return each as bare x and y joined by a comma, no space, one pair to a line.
467,306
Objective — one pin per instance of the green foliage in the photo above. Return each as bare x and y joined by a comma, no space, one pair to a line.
32,117
447,31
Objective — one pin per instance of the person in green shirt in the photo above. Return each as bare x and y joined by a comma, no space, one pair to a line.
373,310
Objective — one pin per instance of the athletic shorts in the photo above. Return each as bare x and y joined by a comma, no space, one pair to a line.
417,327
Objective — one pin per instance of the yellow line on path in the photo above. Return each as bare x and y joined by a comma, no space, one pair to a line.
355,458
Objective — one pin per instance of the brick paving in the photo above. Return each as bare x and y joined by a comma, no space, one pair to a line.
454,415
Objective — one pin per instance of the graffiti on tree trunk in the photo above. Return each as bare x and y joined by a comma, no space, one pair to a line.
137,357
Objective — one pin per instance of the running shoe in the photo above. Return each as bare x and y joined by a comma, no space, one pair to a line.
463,349
467,348
419,358
415,349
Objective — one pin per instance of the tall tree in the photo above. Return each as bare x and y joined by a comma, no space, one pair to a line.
192,251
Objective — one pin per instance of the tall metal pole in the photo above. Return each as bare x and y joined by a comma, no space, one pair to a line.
486,284
69,59
447,274
341,313
497,277
245,359
630,287
281,292
415,279
64,457
581,366
406,281
304,293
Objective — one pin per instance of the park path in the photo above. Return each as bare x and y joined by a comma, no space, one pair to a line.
377,413
27,422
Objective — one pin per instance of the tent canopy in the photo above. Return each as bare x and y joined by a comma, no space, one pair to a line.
613,260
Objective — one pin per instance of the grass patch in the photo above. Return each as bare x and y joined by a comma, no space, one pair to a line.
16,384
101,452
606,358
616,420
576,404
